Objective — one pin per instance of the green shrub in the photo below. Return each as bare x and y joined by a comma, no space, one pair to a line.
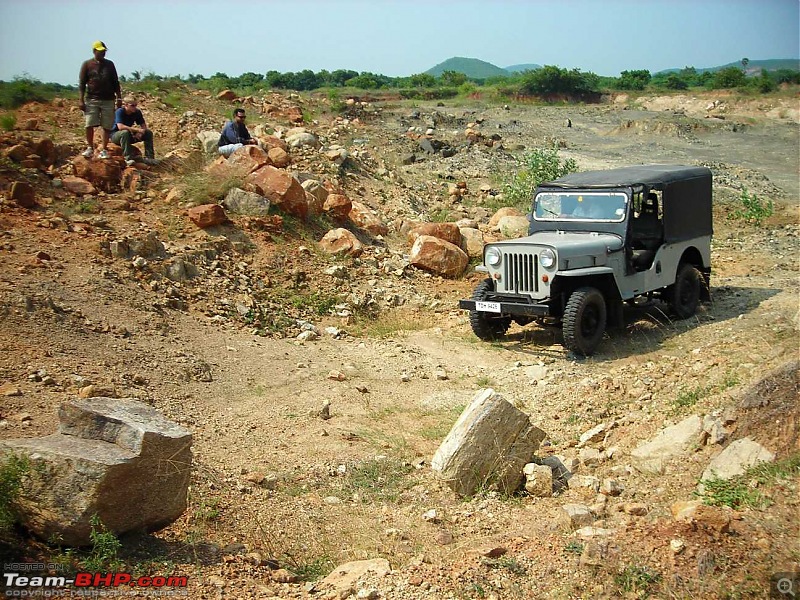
637,580
12,469
8,122
538,165
104,555
753,209
16,93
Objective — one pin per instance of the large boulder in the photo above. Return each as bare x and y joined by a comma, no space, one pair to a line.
513,227
736,459
282,189
209,141
341,241
104,174
118,459
449,232
472,242
207,215
23,194
439,257
241,202
506,211
247,159
338,206
488,447
361,215
78,185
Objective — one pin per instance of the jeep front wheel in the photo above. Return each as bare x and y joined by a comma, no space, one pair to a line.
685,292
485,325
584,320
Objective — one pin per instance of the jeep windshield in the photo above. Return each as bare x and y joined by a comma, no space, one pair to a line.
608,207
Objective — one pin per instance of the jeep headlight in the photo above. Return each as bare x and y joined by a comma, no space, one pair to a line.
493,256
547,258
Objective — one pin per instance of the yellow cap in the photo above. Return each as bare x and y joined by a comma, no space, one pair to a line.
99,46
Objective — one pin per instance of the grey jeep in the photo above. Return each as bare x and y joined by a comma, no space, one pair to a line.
597,240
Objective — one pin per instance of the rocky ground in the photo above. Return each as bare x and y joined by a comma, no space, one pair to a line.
280,495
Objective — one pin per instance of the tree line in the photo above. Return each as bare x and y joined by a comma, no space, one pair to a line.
547,81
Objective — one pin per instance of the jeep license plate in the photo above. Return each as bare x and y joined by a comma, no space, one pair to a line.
493,307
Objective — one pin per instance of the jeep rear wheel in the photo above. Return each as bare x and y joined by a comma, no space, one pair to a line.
485,325
685,292
584,320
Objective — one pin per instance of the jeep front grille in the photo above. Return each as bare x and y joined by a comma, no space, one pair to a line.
521,273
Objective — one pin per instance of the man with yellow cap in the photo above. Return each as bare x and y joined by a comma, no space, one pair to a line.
99,85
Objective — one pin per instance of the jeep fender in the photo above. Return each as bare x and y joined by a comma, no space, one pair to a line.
693,256
602,278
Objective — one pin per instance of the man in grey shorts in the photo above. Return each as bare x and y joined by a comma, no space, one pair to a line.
98,84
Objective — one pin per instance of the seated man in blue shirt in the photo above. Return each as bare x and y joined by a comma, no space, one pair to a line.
235,135
130,128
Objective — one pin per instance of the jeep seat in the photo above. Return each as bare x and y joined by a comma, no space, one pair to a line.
647,234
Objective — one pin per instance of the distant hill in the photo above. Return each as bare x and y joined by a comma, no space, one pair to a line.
753,67
479,69
471,67
525,67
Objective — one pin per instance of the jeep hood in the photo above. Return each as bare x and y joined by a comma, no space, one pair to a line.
574,249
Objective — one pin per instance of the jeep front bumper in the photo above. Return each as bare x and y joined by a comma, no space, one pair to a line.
500,308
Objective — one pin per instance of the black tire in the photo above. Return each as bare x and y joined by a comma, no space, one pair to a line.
584,320
485,325
684,294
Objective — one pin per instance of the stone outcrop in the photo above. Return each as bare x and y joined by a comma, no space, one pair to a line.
118,459
488,447
736,459
673,440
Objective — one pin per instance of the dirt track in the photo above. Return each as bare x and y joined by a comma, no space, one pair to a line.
268,468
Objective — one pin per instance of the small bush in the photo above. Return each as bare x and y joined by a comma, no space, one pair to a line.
636,579
204,188
753,210
538,165
376,480
732,492
12,469
8,122
105,549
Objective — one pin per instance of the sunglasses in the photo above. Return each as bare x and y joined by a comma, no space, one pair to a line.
241,116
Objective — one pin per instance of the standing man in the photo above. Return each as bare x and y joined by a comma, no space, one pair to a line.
235,135
130,128
98,84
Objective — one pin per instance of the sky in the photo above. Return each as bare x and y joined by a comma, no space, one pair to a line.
48,39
